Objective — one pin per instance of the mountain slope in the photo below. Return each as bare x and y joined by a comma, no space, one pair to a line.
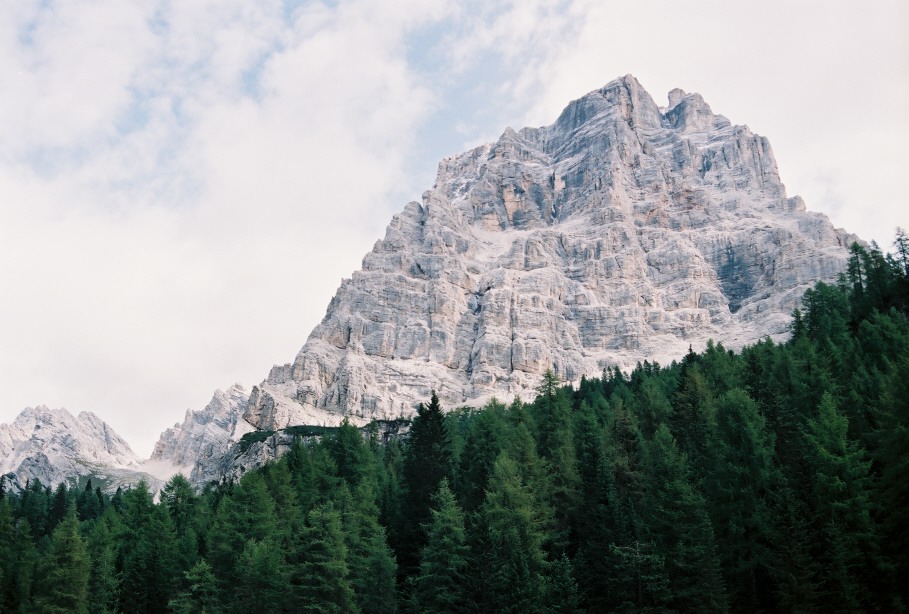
54,446
622,232
196,446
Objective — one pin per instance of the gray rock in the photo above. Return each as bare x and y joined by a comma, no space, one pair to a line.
621,232
197,446
54,446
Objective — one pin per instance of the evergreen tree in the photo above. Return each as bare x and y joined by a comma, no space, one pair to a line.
693,416
262,585
483,444
201,594
34,505
103,584
516,563
561,589
676,517
321,573
842,518
371,564
739,484
639,580
426,463
148,550
17,560
892,494
440,585
182,504
88,504
248,514
64,583
350,453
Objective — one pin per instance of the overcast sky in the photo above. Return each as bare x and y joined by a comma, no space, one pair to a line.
183,184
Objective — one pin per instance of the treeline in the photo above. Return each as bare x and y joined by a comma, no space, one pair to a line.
774,479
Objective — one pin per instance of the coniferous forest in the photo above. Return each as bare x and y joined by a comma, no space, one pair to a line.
772,479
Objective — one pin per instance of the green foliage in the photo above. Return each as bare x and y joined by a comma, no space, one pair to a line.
63,584
201,594
427,462
675,515
441,585
323,580
513,532
253,437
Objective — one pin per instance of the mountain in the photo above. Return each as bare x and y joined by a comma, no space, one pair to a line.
54,446
624,231
196,447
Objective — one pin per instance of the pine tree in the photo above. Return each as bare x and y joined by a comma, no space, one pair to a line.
64,582
181,502
262,587
88,505
148,551
440,585
371,565
427,462
638,578
350,453
248,514
892,493
17,560
514,539
201,594
561,589
739,484
483,445
321,576
676,517
842,516
693,416
103,585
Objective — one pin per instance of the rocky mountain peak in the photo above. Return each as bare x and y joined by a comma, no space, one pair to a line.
193,446
619,233
53,445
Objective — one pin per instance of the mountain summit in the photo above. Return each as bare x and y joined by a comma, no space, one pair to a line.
54,446
624,231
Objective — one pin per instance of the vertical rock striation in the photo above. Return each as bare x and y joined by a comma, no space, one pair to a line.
622,232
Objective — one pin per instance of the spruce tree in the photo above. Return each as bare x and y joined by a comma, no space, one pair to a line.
371,564
676,518
440,585
201,594
103,584
427,461
320,574
63,586
514,539
842,511
248,514
740,484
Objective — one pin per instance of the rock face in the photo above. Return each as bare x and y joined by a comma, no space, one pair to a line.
54,446
197,446
622,232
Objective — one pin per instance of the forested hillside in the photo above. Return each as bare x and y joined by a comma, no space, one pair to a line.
773,479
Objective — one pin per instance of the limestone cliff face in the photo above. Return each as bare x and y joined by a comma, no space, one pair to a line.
54,446
197,446
622,232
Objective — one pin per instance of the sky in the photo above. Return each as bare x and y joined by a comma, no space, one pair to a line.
184,183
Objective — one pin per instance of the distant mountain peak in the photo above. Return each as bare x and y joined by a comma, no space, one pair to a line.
53,446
